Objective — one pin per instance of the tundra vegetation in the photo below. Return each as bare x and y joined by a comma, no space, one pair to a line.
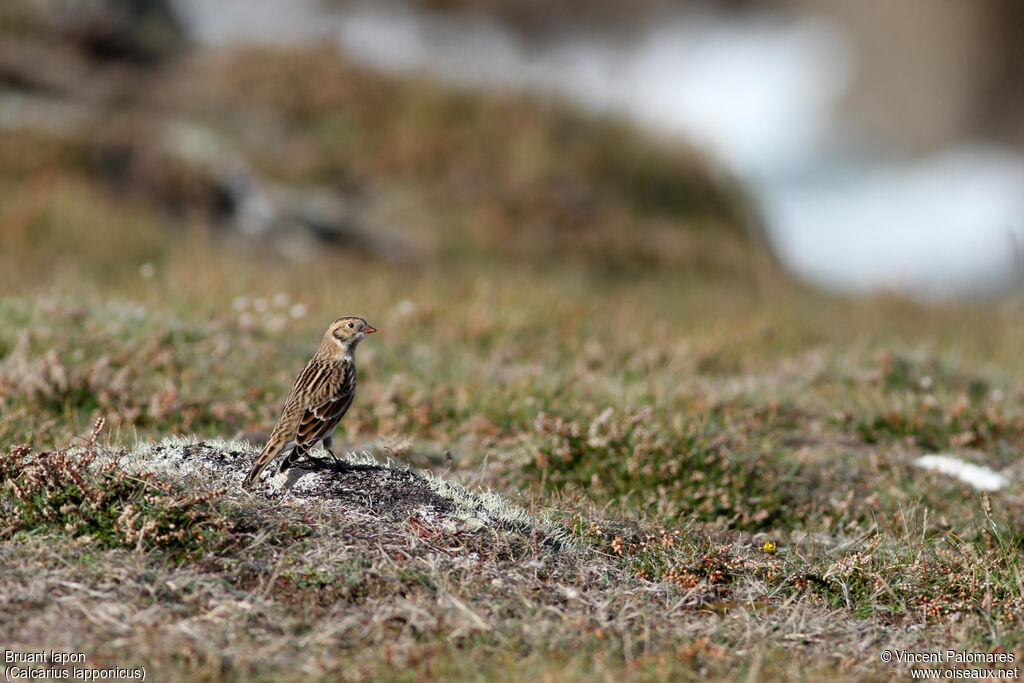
719,460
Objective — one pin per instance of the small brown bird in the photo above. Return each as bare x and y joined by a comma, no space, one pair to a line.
322,393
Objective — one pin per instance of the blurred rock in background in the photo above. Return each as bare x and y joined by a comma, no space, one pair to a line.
90,76
932,72
136,31
929,71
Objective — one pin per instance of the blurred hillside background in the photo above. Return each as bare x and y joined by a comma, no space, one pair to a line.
867,145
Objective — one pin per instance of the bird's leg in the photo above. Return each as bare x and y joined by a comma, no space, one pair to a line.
329,447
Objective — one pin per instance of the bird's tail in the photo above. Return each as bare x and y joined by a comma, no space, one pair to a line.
274,445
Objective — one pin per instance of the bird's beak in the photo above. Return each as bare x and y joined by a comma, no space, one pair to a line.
369,329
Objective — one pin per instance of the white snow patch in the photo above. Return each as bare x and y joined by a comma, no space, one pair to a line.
979,477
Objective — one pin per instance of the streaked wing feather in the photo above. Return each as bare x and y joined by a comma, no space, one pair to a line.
317,401
326,405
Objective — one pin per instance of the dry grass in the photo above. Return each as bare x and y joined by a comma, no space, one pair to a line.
672,415
672,464
306,590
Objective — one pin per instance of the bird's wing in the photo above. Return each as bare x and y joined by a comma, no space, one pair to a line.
325,400
319,397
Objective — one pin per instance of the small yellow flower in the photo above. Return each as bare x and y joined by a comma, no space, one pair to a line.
769,547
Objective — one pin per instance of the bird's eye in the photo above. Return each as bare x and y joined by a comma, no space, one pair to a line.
351,325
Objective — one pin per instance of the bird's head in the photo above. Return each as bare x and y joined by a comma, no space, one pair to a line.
345,332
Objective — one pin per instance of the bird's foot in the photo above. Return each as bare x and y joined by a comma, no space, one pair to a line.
311,462
335,463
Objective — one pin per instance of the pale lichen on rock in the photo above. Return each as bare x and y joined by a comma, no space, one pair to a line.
357,482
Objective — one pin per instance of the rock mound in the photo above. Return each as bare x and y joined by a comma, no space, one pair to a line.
358,482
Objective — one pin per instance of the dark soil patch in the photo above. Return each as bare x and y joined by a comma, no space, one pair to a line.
378,489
